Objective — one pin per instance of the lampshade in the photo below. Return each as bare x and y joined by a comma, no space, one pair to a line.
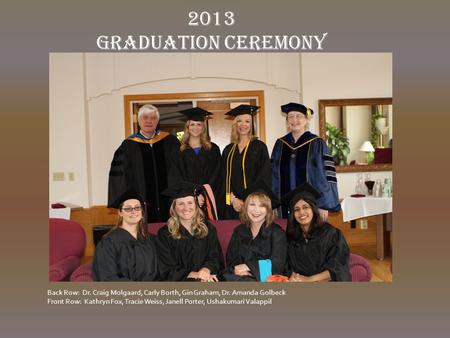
367,147
383,130
380,123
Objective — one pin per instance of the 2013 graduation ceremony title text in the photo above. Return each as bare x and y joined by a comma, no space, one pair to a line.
189,42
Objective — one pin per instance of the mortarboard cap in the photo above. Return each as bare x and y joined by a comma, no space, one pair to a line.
196,114
260,186
304,190
183,189
127,195
243,109
291,106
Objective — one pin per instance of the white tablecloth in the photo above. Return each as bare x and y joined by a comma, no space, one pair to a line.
360,207
60,213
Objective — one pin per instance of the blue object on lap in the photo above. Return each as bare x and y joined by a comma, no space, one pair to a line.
265,269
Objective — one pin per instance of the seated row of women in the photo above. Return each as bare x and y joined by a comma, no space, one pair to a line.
187,247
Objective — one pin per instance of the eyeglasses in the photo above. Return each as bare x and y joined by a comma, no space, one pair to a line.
295,116
130,209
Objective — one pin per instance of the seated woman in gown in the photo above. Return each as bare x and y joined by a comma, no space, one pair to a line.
188,247
258,246
128,251
317,251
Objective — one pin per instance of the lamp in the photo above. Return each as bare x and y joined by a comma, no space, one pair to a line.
368,148
382,128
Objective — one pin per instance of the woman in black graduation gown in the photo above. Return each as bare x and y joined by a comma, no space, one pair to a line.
128,251
257,239
245,159
199,159
188,247
317,251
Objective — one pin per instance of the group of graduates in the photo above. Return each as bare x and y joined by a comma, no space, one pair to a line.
155,179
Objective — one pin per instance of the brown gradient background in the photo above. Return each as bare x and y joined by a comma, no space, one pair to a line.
416,304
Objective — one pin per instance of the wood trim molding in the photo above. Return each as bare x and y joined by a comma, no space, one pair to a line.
362,168
352,102
128,99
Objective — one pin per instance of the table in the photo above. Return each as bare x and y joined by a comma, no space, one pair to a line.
63,212
381,207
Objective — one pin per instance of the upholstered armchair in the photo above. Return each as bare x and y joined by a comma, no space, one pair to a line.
360,269
66,248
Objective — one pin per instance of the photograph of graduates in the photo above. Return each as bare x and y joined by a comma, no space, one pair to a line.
188,247
199,160
142,162
127,252
301,156
246,159
221,128
317,251
258,245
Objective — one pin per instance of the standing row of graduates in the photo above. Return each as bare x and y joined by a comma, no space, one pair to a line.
187,247
151,160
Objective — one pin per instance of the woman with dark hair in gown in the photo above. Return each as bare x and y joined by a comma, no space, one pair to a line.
128,251
317,251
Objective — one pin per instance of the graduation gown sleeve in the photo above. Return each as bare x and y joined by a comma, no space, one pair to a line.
172,148
126,172
120,257
276,244
322,175
279,251
104,266
259,164
275,162
170,268
179,257
337,258
324,250
233,257
215,176
269,244
214,257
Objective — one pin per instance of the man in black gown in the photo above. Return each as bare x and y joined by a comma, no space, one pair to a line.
142,162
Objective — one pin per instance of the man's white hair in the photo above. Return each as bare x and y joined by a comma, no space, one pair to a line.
148,108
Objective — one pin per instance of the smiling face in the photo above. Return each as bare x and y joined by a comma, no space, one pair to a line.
128,212
185,208
303,213
195,128
148,123
297,121
256,210
244,124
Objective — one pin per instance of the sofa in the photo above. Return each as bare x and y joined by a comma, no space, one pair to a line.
67,242
359,267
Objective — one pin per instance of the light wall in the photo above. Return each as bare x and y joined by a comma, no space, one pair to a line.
67,125
345,76
358,127
108,77
86,99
